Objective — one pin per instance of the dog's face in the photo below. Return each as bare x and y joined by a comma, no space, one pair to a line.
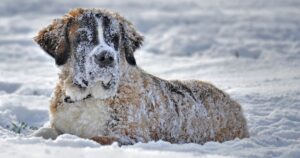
92,47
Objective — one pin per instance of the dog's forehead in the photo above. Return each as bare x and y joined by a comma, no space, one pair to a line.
90,18
94,27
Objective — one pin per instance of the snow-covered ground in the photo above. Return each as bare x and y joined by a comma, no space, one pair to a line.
250,49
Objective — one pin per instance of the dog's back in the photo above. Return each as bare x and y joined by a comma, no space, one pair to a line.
191,111
225,119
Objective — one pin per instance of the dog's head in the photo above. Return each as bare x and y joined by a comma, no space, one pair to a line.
91,47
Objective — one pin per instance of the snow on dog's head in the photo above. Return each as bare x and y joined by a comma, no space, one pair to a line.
92,47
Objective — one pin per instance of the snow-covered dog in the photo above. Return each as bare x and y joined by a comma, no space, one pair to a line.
103,95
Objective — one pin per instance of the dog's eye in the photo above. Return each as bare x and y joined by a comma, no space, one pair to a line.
98,15
82,36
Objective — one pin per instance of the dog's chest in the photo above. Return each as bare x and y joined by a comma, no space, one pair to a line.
85,118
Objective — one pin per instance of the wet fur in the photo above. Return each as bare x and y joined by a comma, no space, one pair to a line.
144,107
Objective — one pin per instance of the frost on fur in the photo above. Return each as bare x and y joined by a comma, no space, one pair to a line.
102,94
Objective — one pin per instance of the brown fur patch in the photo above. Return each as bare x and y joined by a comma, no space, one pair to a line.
75,12
55,101
104,140
72,30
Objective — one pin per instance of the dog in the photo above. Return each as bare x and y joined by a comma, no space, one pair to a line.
102,94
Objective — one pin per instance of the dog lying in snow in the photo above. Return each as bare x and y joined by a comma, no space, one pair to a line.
103,95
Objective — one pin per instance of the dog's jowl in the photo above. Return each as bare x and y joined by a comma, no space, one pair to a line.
101,93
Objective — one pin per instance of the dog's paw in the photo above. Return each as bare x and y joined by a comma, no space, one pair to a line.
46,133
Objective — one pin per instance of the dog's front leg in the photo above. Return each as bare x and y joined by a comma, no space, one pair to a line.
46,133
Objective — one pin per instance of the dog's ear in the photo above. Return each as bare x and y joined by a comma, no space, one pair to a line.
54,40
131,40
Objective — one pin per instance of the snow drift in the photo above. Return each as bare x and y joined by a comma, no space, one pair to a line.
251,50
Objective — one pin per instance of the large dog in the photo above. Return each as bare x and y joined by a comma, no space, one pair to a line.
103,95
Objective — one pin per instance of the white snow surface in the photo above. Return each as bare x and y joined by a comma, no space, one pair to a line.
250,49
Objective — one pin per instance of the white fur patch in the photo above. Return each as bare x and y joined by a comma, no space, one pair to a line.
99,92
75,93
100,32
84,118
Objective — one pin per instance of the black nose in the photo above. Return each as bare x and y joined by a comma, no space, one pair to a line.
104,59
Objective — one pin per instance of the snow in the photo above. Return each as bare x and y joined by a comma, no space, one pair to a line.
250,49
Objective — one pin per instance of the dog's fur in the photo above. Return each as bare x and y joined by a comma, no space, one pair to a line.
121,102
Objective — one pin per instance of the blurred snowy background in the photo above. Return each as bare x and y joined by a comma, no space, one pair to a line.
250,49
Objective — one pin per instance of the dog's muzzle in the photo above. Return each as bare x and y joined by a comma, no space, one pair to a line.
104,59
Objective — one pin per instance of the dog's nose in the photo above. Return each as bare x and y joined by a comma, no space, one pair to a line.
104,59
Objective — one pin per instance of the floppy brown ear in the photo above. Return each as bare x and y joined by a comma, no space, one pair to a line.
131,41
54,40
